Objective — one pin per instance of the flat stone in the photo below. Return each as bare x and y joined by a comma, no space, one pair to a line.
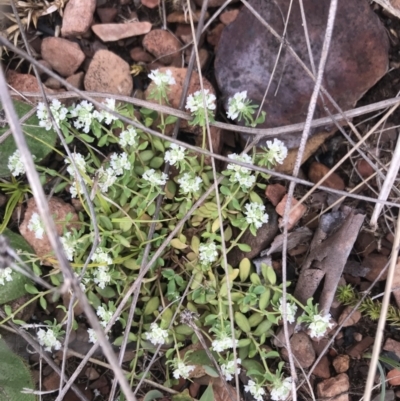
396,283
295,214
353,319
150,3
108,73
364,168
64,56
357,350
24,83
341,363
138,54
107,14
375,263
322,369
318,171
76,80
178,17
302,349
114,32
78,15
365,243
333,386
274,193
393,377
211,3
163,45
228,17
392,346
214,36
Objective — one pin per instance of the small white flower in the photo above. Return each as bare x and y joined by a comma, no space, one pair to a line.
319,325
195,102
128,137
102,277
106,178
102,257
79,161
36,225
5,275
75,189
223,342
277,151
182,370
208,253
228,369
255,214
106,116
15,164
255,390
69,245
241,175
48,339
156,335
175,155
236,105
119,163
58,110
92,336
161,78
155,178
291,310
84,115
189,183
281,390
104,315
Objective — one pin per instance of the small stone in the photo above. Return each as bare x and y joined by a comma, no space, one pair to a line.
203,57
357,337
341,363
24,82
302,348
107,14
334,386
393,377
178,17
78,16
275,193
364,168
396,283
108,73
71,396
52,83
151,3
139,55
392,346
229,16
211,3
91,373
64,56
214,35
44,63
76,80
357,350
375,264
354,318
295,214
318,170
114,32
162,44
365,243
322,369
51,382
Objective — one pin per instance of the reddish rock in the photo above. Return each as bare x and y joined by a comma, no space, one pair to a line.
71,396
396,283
334,386
302,349
52,83
107,14
341,363
365,243
203,57
78,16
318,170
178,17
357,350
322,369
139,55
64,56
44,63
24,83
295,214
228,17
274,193
393,377
51,382
364,168
375,264
211,3
214,35
76,80
353,319
109,73
162,44
114,32
151,3
392,346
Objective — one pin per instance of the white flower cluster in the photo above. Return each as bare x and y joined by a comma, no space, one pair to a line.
175,155
291,310
5,275
106,177
154,177
92,336
84,115
182,370
319,325
128,137
241,175
281,390
102,257
15,164
162,78
208,253
48,339
195,102
105,315
223,342
69,245
255,214
228,369
236,105
102,277
119,163
255,390
156,335
277,151
36,225
58,110
189,183
105,116
79,162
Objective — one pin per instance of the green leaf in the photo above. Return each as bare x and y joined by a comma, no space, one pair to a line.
208,395
86,138
244,269
254,368
255,319
156,162
178,244
242,322
170,120
254,197
269,273
244,247
244,342
107,292
151,306
211,371
43,302
31,289
264,299
153,395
